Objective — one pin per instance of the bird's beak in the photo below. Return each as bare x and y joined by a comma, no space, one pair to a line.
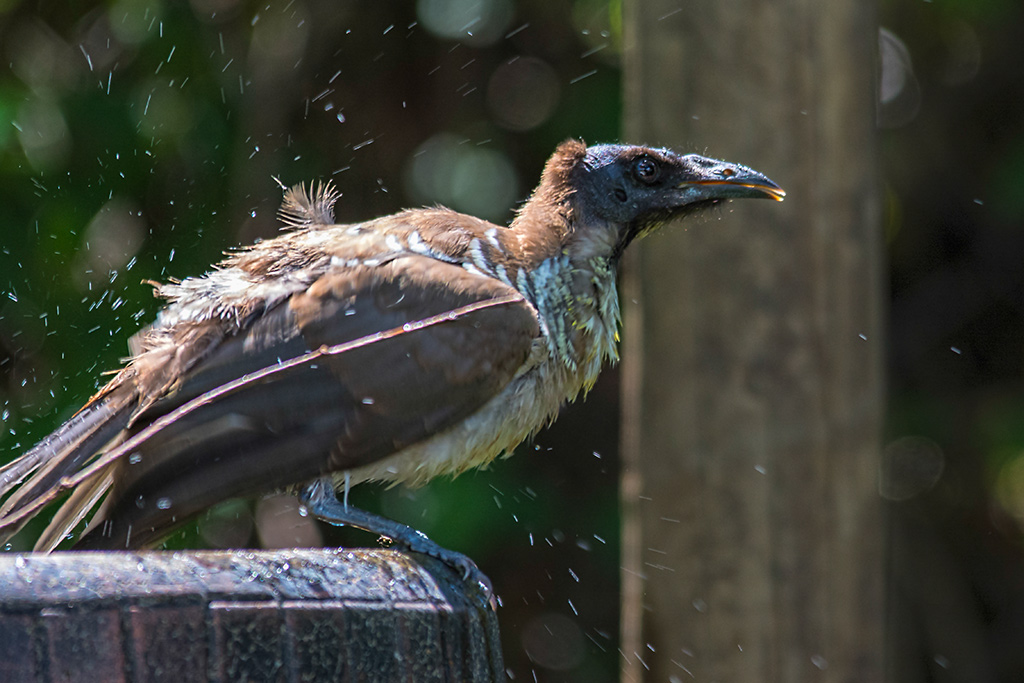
746,187
714,179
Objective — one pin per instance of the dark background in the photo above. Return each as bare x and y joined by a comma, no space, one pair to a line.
953,178
140,139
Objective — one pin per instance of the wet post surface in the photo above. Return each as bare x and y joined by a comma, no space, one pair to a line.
296,615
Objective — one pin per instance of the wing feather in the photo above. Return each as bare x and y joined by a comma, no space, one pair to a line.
300,410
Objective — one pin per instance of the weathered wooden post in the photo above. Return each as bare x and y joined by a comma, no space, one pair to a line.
753,363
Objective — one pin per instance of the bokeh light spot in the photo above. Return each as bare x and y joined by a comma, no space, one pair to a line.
522,94
910,466
554,641
449,171
474,22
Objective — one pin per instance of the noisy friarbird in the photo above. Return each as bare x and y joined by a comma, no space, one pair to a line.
410,346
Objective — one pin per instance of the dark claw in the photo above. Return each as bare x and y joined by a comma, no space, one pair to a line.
320,501
466,567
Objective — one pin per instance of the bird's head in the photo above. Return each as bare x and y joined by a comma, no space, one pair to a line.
620,192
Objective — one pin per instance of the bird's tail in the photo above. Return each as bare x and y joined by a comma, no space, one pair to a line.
60,454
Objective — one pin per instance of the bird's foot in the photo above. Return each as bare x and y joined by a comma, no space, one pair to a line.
319,499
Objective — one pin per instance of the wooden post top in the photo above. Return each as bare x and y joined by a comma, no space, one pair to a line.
295,615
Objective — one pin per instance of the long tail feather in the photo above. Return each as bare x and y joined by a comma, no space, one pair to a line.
64,452
74,509
84,422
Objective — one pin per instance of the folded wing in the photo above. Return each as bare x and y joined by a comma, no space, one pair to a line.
359,365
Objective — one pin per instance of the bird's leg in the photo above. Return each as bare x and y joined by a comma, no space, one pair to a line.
319,499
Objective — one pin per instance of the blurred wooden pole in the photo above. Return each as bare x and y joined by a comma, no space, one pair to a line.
752,375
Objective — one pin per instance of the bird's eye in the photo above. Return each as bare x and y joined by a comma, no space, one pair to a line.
646,170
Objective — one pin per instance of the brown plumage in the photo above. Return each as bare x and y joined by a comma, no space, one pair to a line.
418,344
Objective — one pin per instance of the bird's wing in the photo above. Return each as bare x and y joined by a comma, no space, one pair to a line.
357,366
98,424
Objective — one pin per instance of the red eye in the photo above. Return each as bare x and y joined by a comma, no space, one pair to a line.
646,170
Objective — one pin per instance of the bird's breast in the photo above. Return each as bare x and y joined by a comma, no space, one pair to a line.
579,313
530,401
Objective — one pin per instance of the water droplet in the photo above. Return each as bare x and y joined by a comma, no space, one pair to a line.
163,503
134,458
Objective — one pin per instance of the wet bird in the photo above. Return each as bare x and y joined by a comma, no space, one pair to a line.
415,345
